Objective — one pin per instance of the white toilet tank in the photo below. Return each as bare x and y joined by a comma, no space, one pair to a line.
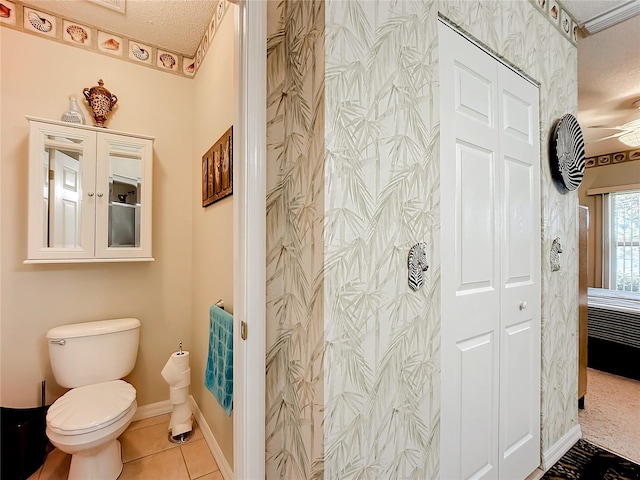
93,352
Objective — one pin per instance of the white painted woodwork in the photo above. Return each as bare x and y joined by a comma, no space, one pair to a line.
490,237
521,276
249,173
44,140
123,152
77,158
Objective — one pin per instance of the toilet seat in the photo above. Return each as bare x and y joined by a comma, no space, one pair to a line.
91,407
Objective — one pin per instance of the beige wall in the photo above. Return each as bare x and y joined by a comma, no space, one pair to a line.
193,247
596,177
37,77
212,243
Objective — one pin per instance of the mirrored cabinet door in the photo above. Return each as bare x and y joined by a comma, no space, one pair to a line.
89,194
124,175
61,218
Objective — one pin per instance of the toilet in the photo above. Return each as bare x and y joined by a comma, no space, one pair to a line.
91,358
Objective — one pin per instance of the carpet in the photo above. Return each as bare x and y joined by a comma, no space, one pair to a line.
585,461
611,417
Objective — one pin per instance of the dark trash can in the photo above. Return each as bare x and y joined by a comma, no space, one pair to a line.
24,441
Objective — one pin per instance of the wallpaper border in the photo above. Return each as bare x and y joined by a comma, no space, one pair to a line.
558,19
153,56
612,158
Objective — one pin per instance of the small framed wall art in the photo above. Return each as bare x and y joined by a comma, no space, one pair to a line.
217,170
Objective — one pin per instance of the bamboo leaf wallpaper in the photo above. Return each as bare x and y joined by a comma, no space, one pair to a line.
353,358
295,214
381,418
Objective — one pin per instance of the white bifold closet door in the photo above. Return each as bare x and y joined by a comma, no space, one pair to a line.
490,242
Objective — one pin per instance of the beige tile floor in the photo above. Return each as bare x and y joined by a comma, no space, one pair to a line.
148,455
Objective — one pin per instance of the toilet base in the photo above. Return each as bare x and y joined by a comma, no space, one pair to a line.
93,464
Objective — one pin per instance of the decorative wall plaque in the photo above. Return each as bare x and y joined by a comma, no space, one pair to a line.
417,266
567,152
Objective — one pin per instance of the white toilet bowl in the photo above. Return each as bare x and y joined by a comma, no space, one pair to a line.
86,422
90,358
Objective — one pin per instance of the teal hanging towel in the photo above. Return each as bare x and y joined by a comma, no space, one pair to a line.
218,377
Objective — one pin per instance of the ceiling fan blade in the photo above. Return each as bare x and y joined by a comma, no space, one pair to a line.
603,127
603,138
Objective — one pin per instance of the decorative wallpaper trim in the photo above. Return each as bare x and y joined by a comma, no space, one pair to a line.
20,16
559,17
612,158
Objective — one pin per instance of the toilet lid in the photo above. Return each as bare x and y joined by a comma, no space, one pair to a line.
91,407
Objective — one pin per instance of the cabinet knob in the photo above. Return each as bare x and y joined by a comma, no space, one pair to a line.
90,194
100,194
523,305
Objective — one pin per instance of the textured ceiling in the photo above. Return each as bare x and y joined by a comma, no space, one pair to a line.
175,25
608,76
608,83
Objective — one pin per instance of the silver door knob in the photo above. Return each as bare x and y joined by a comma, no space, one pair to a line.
90,194
100,194
523,305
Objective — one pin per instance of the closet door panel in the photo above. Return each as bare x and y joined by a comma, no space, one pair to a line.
470,239
475,233
519,234
477,288
474,92
477,406
517,385
520,292
490,254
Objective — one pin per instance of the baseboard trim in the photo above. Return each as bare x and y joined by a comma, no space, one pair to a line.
216,451
537,474
562,446
152,410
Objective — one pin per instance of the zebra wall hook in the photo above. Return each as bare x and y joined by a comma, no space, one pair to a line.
417,265
556,250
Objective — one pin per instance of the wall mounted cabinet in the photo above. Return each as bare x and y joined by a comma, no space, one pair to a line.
89,194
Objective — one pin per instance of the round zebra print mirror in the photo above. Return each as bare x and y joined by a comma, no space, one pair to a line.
567,153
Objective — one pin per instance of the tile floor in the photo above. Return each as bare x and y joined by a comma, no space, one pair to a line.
148,455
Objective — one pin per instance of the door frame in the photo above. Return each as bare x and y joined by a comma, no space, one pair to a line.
249,233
